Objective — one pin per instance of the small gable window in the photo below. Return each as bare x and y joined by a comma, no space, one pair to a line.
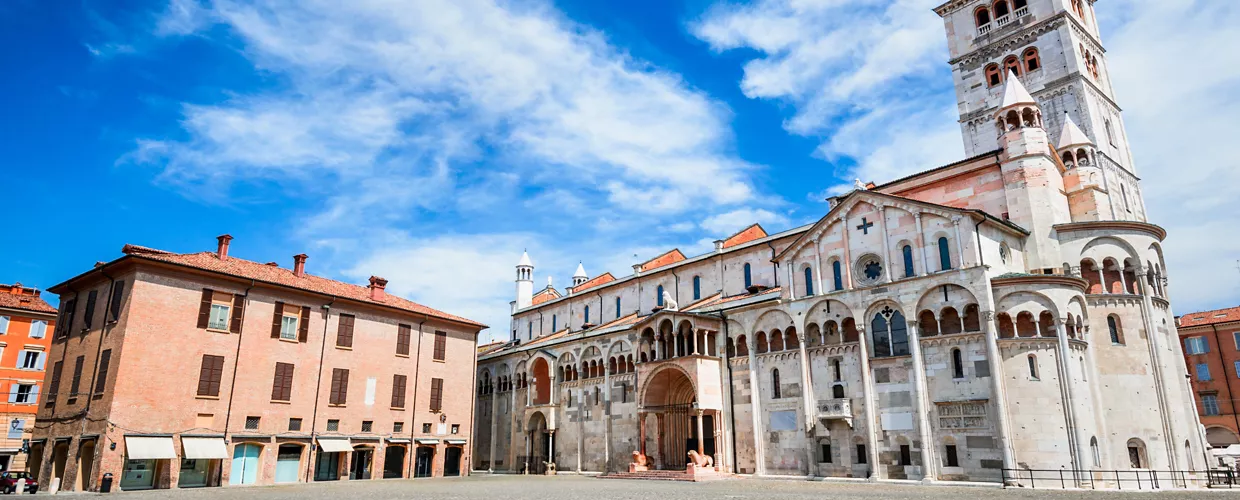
838,276
697,288
809,281
587,314
659,298
748,276
617,307
945,254
909,272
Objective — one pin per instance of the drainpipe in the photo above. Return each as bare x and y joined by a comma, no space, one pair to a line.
411,456
219,475
1226,379
473,382
318,386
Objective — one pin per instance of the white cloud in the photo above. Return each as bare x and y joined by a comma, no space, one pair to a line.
727,223
865,75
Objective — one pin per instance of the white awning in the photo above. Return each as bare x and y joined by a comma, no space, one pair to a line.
203,447
149,448
333,445
427,441
398,440
455,441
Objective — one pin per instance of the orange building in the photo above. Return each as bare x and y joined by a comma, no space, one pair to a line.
25,320
1212,354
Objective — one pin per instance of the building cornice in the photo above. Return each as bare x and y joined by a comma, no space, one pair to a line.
1122,225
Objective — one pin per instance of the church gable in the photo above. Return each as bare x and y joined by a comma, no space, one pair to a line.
746,235
671,257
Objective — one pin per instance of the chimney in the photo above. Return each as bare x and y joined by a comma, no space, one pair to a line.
718,245
377,287
221,251
299,264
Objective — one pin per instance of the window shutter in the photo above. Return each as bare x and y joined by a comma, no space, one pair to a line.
57,368
238,311
282,384
334,398
344,331
21,358
13,392
77,375
34,394
304,325
210,375
204,377
38,364
102,380
204,308
4,324
398,391
344,386
436,394
275,320
217,374
91,298
402,339
441,344
118,292
340,386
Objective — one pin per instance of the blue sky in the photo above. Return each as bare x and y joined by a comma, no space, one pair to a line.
430,141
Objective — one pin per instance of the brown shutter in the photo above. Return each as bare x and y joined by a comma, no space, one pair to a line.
402,339
334,398
398,391
204,308
118,292
282,383
441,345
238,311
344,386
340,386
303,326
77,376
91,298
101,379
275,320
344,331
210,375
56,371
436,394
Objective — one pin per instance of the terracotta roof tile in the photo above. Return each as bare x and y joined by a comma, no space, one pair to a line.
17,296
1210,317
232,266
746,235
671,257
545,295
595,281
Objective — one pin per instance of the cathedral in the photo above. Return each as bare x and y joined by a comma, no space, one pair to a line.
980,321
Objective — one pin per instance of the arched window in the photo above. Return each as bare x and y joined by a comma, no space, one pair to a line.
617,307
742,346
1019,4
529,330
553,324
945,254
587,315
748,276
809,281
1136,454
1011,65
838,276
994,77
1116,329
836,371
1001,9
659,296
909,272
775,392
837,391
1032,63
697,288
761,348
1033,367
957,364
890,334
1093,448
982,15
731,349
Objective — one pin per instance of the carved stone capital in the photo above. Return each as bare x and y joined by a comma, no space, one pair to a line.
988,315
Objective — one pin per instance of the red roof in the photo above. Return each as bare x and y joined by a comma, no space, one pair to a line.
745,236
545,295
1210,317
671,257
595,281
241,268
16,296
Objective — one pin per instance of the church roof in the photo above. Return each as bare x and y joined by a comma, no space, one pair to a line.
1071,135
1014,93
525,260
581,271
595,281
670,257
545,295
1209,317
746,235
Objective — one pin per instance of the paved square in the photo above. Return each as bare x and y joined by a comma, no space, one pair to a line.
583,487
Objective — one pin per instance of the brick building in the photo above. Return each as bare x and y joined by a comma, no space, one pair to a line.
1212,354
25,320
201,369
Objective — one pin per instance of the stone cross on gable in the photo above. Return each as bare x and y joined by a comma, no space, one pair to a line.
865,226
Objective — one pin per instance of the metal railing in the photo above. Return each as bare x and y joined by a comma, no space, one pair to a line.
1141,479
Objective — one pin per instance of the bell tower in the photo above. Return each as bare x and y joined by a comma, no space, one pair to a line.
1055,49
525,282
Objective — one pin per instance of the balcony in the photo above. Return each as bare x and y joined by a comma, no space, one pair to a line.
835,409
1021,12
984,29
1003,21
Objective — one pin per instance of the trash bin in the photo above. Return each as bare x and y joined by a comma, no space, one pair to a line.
105,486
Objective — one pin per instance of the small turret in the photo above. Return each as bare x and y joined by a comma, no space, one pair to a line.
1075,148
1018,109
525,281
580,276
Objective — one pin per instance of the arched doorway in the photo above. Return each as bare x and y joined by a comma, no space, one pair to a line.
542,382
669,404
538,443
360,465
245,463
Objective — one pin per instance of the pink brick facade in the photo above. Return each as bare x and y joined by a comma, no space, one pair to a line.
154,385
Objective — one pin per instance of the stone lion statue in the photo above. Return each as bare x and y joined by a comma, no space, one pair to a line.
638,463
700,460
669,303
550,468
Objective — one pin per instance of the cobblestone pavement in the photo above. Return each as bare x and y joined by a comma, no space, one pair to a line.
583,487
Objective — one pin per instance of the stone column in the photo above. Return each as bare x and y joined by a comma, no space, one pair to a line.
755,402
882,229
1069,399
928,467
1102,278
846,264
551,452
701,438
871,406
792,284
494,430
641,431
660,425
998,388
959,243
921,242
1123,282
606,419
818,268
808,404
